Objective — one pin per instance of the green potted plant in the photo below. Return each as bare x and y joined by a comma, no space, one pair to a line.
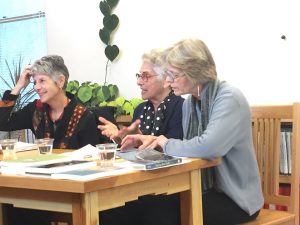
92,94
95,95
125,107
110,23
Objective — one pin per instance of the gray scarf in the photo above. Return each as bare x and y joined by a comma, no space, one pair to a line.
198,122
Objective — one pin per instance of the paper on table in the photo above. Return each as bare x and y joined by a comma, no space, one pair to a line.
93,173
85,152
23,146
36,160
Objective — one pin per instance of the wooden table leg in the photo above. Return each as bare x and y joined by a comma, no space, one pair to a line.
1,214
85,209
78,211
191,201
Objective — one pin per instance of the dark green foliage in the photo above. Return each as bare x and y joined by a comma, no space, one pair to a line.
27,94
95,95
92,94
110,24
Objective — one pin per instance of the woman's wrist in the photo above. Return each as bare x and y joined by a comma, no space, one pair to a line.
161,141
16,90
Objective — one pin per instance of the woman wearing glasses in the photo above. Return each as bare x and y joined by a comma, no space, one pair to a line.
217,123
160,114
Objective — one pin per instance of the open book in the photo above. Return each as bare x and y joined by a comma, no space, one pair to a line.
148,159
43,164
52,168
91,173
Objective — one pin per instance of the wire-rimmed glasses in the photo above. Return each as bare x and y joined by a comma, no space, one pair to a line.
173,76
144,75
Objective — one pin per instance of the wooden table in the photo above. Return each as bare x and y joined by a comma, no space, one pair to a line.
85,198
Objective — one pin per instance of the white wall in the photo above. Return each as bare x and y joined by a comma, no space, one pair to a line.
244,37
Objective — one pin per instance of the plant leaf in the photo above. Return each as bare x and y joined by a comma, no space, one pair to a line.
135,102
120,100
72,86
128,108
113,90
111,22
103,103
112,3
111,52
85,93
112,103
104,35
103,94
27,94
106,92
105,8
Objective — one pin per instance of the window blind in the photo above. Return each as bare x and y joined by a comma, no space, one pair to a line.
21,37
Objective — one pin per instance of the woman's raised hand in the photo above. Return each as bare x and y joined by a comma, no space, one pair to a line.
23,81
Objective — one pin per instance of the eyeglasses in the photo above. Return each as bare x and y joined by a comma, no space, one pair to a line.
173,76
144,75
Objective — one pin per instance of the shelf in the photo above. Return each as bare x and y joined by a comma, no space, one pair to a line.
285,179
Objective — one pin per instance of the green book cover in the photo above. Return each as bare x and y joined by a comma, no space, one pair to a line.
35,160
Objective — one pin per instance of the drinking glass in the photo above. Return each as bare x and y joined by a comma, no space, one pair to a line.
45,145
107,154
8,148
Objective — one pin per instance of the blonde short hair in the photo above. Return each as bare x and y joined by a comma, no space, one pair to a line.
194,59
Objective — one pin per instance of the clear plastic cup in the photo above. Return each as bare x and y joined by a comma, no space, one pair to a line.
107,154
8,148
45,145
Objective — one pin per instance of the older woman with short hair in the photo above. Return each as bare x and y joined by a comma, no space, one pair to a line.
55,114
160,114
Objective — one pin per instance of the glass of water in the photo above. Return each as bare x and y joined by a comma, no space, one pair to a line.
45,145
107,154
8,148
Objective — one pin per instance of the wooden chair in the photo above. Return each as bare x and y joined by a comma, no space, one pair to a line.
267,122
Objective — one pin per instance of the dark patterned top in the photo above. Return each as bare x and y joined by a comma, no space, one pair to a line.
167,119
76,128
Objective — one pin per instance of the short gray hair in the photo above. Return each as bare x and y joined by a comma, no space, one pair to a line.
52,66
155,58
194,59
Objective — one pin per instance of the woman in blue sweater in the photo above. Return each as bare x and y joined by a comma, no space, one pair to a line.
216,123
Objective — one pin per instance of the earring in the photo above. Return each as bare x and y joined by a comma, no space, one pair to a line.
198,90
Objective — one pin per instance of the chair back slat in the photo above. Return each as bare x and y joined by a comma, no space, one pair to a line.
267,123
